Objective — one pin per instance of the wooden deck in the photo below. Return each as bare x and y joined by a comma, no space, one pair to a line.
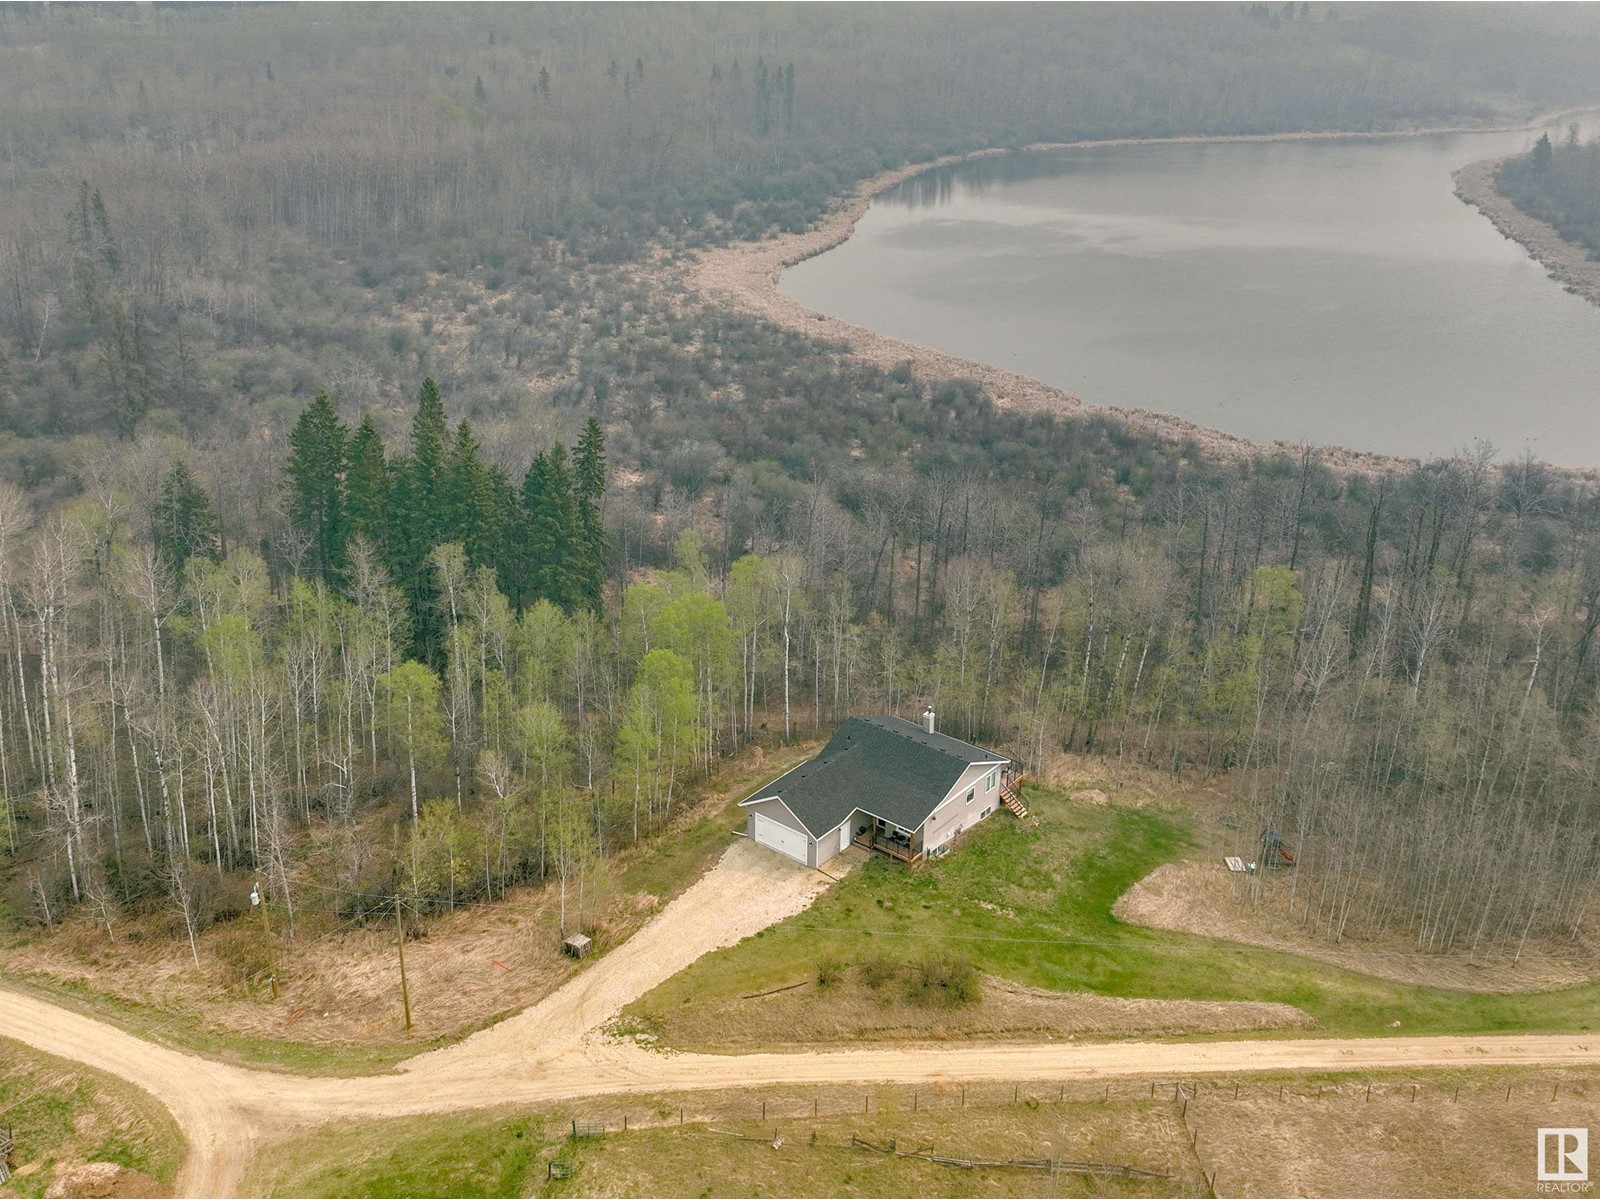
894,849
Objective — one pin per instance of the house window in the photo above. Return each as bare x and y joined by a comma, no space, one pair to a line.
971,792
991,780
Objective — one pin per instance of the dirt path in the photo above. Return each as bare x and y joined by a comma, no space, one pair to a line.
556,1050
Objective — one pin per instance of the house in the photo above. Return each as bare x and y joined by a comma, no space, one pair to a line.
884,782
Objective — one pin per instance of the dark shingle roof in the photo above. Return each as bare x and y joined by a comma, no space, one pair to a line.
889,767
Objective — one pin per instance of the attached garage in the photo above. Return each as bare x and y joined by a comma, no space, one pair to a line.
789,842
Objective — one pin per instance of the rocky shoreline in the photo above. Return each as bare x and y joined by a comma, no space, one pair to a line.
745,275
1568,264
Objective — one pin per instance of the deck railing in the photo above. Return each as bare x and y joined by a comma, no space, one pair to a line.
893,847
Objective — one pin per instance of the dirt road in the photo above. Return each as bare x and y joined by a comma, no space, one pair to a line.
557,1050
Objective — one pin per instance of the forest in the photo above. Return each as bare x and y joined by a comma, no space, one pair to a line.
1559,182
384,517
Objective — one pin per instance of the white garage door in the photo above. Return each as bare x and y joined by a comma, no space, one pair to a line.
781,838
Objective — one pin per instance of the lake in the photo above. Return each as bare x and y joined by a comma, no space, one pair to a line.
1333,291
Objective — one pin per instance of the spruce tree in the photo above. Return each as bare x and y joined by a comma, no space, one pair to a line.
319,445
469,507
564,530
589,485
554,530
366,487
534,548
509,526
185,524
417,518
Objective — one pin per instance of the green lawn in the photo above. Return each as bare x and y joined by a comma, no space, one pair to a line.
468,1155
62,1114
1031,902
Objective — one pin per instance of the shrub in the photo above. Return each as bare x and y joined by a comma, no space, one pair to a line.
878,969
829,971
947,980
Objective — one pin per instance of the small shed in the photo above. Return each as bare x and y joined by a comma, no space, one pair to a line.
577,945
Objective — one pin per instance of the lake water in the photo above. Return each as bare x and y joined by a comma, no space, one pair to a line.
1330,291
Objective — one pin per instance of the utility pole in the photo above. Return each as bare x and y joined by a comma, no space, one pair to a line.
258,899
400,933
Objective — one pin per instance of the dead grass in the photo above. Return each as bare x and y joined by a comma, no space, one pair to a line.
850,1011
1456,1134
1101,779
1427,1133
1207,899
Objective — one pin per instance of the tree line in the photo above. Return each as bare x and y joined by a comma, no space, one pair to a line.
1558,182
144,285
1398,674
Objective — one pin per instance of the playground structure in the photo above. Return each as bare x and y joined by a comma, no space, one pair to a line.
1275,852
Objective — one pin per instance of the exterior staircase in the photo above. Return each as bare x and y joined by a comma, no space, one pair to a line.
1011,797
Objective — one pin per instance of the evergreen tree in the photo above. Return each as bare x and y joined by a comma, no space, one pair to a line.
469,504
418,516
589,485
509,524
534,548
366,487
554,529
185,524
319,447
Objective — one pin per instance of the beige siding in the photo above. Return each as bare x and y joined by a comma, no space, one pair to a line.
773,810
827,845
954,815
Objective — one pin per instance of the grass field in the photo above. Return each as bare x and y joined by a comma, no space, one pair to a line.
1031,902
1427,1133
64,1116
